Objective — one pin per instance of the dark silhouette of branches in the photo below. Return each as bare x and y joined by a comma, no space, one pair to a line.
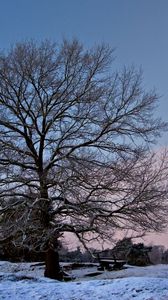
74,146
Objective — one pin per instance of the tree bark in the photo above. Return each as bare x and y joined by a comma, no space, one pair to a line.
44,203
52,266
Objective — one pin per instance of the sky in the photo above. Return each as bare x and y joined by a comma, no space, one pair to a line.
137,29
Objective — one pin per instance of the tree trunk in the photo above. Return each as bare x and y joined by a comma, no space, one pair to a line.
44,203
52,266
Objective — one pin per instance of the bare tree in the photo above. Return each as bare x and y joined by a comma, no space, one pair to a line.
74,146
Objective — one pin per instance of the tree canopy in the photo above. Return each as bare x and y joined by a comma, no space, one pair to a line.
75,145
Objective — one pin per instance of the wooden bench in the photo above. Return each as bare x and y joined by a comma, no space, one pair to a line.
110,263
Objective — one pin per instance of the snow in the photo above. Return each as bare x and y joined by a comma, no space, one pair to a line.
25,281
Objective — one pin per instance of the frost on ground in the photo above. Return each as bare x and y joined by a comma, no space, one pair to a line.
25,282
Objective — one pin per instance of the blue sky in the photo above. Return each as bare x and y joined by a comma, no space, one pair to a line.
136,28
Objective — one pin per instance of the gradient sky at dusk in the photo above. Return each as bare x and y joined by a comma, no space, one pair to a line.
137,29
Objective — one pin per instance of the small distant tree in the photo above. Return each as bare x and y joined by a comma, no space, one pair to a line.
165,257
74,148
122,248
138,255
156,254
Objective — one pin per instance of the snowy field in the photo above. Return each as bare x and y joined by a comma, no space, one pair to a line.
25,281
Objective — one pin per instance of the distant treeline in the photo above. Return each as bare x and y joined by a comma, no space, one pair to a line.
135,254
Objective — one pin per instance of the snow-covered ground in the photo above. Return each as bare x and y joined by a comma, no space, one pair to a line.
25,281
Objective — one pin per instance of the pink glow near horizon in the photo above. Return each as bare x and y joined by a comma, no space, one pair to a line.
149,239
